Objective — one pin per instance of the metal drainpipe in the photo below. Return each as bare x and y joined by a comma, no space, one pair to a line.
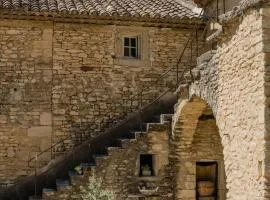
217,9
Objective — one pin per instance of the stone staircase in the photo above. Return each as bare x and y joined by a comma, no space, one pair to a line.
68,188
58,177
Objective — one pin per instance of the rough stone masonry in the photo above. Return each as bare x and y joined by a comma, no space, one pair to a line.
57,78
233,81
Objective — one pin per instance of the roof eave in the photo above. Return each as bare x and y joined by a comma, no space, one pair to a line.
97,19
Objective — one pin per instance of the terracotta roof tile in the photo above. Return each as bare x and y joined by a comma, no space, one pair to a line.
156,9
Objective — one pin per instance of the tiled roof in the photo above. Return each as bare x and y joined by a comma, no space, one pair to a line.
155,9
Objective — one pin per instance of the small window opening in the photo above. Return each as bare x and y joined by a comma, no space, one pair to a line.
131,47
146,165
206,180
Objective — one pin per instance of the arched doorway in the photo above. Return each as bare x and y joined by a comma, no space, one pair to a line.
200,163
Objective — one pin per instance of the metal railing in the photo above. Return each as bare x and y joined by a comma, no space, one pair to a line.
128,106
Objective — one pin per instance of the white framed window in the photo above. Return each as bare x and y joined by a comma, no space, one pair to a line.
131,47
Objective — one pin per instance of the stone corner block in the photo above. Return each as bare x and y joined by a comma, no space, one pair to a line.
45,118
39,131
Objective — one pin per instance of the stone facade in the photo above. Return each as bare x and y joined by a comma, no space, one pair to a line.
26,87
232,81
83,60
70,79
62,79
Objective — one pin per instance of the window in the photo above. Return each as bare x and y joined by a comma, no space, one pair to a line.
131,47
146,165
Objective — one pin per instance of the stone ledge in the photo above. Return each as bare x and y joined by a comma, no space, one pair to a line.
205,57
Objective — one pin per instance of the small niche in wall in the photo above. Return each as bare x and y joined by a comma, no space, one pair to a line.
206,180
147,165
260,169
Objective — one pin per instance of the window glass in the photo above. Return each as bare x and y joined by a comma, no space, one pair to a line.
134,52
131,47
126,42
126,52
133,42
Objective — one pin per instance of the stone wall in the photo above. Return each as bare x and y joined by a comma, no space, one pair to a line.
196,139
63,79
92,82
25,87
266,50
231,80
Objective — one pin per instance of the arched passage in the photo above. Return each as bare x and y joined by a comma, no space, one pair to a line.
200,161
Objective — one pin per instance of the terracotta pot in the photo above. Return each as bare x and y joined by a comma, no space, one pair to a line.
146,173
206,188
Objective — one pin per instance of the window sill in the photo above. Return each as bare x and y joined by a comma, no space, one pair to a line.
131,62
148,178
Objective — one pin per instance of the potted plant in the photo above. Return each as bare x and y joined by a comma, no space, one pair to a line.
206,188
146,170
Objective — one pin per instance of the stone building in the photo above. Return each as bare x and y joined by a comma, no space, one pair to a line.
161,99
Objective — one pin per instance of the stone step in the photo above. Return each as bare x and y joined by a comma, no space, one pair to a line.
35,198
156,127
139,135
75,177
100,156
75,180
166,118
162,118
72,173
126,142
156,119
46,192
112,150
62,184
86,167
99,159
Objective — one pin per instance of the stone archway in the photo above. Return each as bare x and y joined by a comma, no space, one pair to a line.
197,144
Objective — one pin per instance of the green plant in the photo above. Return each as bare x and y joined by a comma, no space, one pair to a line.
145,168
95,190
78,169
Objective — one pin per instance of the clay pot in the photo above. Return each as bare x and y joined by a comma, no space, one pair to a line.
206,188
146,173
